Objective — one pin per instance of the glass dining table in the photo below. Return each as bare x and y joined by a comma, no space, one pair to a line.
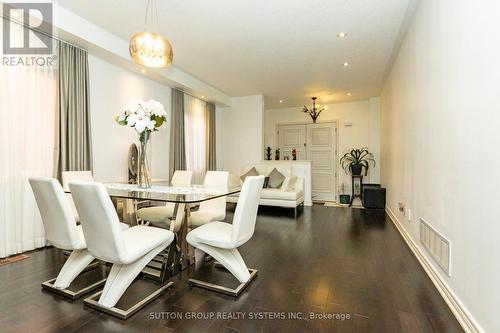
179,255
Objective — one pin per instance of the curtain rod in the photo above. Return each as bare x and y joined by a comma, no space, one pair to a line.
43,32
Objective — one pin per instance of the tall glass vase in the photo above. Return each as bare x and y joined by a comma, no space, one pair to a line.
143,178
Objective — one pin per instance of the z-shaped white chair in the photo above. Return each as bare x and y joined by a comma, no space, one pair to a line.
63,233
221,240
160,216
215,209
75,176
129,250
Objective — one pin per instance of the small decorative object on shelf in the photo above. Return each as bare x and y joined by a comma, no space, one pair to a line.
145,118
294,154
277,154
268,153
314,112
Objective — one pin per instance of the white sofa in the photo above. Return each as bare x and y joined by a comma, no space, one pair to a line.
289,197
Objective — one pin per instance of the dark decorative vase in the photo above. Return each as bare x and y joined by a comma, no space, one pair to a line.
356,169
268,153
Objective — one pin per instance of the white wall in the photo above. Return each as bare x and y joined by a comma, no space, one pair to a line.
240,133
440,142
111,88
363,115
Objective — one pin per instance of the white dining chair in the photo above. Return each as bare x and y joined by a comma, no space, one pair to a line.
73,176
215,209
129,250
160,216
63,233
221,240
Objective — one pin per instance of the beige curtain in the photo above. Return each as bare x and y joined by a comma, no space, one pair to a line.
210,142
177,146
75,148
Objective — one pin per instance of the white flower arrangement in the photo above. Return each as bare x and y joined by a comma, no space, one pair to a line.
143,116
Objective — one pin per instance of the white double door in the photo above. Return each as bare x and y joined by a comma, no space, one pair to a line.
314,142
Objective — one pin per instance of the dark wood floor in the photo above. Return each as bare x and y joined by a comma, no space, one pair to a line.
330,260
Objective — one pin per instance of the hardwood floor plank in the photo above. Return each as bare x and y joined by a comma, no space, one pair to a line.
328,261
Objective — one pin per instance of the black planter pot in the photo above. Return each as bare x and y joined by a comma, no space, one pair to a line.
356,169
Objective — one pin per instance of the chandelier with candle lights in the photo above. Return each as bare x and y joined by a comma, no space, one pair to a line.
314,112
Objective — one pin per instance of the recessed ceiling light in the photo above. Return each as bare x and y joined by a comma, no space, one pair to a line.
143,71
281,101
349,94
202,96
346,64
341,35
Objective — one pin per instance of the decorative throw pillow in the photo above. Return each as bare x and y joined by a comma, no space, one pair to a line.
289,183
276,178
251,172
266,181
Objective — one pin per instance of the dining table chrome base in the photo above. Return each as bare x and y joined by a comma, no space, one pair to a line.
75,294
93,302
178,256
163,265
235,292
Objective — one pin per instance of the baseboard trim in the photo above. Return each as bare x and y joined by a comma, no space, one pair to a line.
464,317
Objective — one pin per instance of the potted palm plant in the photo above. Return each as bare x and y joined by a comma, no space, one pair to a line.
356,160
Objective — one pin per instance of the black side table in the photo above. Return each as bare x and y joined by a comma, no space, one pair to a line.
357,188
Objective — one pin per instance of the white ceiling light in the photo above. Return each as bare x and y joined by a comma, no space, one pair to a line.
148,48
346,64
341,35
349,94
281,101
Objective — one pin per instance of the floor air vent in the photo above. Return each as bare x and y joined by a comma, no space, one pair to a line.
437,246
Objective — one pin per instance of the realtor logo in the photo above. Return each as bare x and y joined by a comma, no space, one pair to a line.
36,22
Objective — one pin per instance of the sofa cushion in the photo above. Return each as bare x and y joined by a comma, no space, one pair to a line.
278,194
276,178
289,183
251,172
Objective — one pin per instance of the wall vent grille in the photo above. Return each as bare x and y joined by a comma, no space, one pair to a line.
436,245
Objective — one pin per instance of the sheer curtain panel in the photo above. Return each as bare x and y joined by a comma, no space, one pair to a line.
195,127
27,136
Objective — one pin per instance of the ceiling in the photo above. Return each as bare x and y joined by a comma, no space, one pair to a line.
285,50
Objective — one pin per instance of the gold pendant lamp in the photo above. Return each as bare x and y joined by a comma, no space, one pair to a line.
148,48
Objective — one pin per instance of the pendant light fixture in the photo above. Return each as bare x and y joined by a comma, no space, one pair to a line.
314,112
148,48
